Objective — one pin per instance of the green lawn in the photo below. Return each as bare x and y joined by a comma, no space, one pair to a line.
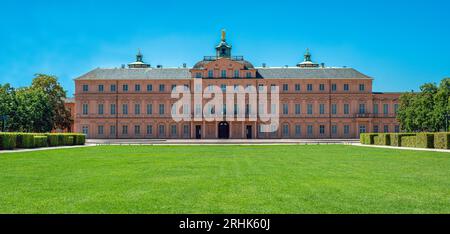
225,179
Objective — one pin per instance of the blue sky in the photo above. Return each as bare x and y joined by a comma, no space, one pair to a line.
402,44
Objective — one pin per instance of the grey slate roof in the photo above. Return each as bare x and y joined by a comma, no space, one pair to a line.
183,73
136,74
310,73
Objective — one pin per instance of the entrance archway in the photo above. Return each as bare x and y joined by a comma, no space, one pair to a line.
224,130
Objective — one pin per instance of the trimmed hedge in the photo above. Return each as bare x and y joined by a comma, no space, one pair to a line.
415,140
8,141
442,140
40,141
32,140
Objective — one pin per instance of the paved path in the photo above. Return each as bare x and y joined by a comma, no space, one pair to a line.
401,148
218,142
45,148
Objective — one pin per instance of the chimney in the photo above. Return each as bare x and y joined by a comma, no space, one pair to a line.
322,65
184,65
264,65
159,66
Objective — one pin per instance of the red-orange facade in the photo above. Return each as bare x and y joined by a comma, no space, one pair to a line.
315,101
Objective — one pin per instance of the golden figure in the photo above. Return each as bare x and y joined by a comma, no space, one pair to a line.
223,34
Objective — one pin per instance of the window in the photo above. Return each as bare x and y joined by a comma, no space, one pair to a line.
125,88
100,88
397,129
125,109
113,109
285,109
333,87
310,109
362,129
273,87
322,109
223,87
346,109
298,109
137,130
112,130
162,88
85,109
375,109
297,87
362,108
362,87
333,109
173,130
100,109
346,129
285,130
223,74
210,74
396,108
386,128
113,88
346,87
174,87
322,129
149,109
149,88
310,129
161,109
236,73
100,130
137,109
161,130
309,87
321,87
248,75
85,88
186,130
260,87
385,109
285,87
85,130
375,129
149,129
137,87
334,129
198,75
124,129
298,130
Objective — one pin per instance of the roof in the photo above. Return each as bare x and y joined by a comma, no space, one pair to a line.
310,73
136,74
184,73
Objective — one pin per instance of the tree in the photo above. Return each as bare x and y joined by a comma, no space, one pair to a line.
60,117
427,110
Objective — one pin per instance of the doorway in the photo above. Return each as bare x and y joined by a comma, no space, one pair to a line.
198,131
224,130
249,132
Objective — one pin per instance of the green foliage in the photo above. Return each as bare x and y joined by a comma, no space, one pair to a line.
442,140
68,140
408,141
40,141
38,108
25,140
80,139
53,140
427,110
382,139
8,141
424,140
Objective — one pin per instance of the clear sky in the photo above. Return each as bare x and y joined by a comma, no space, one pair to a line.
401,44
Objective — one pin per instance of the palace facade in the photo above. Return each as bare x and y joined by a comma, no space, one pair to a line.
315,101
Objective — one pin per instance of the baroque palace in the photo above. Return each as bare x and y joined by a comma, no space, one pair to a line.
315,101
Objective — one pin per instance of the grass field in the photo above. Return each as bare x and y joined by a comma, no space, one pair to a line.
225,179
